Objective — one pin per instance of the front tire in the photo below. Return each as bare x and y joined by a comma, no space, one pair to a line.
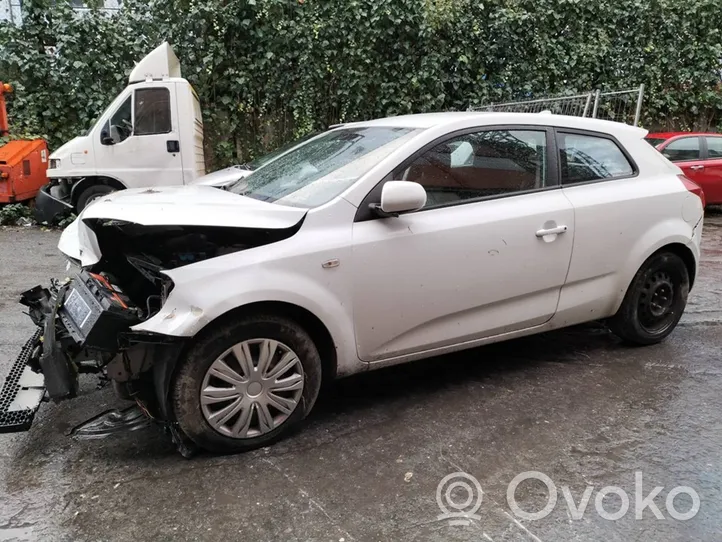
91,194
246,384
654,302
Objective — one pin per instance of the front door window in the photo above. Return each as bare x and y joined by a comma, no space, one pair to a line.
686,148
120,126
481,165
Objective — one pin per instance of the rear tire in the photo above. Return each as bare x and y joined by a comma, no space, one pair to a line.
654,302
265,408
92,193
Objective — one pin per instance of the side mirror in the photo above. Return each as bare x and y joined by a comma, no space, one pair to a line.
105,138
400,197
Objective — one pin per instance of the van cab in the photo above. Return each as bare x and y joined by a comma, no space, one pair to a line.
150,135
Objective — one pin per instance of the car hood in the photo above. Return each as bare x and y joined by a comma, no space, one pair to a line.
173,206
222,177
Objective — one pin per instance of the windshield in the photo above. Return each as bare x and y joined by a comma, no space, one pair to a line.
98,117
319,170
262,160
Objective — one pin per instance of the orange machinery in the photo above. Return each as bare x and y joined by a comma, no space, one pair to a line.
23,162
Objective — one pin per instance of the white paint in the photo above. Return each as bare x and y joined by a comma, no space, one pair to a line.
222,177
402,196
160,63
430,281
192,206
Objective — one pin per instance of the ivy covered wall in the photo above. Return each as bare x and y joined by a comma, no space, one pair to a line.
269,70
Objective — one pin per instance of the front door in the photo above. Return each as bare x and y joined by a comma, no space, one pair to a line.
139,142
487,255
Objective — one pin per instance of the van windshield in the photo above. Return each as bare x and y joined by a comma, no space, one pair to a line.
320,169
98,117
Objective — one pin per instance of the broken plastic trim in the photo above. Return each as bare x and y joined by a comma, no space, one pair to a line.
111,422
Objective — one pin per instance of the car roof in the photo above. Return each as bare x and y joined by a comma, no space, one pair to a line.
431,120
669,135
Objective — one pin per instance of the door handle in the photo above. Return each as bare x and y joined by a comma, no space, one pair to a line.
172,145
551,231
696,168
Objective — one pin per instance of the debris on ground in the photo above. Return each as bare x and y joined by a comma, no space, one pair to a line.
15,214
19,214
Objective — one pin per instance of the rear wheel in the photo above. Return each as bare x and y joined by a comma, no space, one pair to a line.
654,302
92,193
247,384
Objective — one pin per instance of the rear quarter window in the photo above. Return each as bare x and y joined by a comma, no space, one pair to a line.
585,158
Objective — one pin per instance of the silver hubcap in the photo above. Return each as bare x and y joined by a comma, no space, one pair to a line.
252,388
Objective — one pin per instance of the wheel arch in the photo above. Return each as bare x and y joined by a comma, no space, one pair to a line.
675,247
311,323
94,180
685,255
165,370
626,322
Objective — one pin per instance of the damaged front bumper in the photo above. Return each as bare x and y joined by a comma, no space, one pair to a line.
50,203
84,326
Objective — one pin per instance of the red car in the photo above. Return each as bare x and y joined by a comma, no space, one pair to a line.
699,155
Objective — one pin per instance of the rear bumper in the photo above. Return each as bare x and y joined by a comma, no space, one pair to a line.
48,206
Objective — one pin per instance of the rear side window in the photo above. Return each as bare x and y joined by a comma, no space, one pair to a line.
687,148
585,158
152,111
714,147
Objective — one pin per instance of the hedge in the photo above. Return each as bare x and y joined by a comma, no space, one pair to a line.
269,70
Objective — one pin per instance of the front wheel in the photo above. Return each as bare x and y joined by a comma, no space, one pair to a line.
654,302
91,194
247,384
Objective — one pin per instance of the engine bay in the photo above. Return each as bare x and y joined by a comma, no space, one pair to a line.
134,255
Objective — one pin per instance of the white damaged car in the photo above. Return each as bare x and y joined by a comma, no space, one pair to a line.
220,311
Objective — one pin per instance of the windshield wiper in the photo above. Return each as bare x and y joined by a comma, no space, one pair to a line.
237,187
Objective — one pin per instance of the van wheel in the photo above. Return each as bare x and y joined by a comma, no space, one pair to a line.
654,302
92,193
246,384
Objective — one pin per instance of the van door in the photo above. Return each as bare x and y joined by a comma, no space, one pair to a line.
139,143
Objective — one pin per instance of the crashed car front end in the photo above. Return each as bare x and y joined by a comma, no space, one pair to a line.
88,323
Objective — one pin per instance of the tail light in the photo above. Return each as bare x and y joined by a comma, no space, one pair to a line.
694,188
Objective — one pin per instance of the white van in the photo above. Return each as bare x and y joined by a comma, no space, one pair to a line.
150,135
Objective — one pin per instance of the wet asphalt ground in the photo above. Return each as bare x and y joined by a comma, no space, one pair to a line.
575,405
